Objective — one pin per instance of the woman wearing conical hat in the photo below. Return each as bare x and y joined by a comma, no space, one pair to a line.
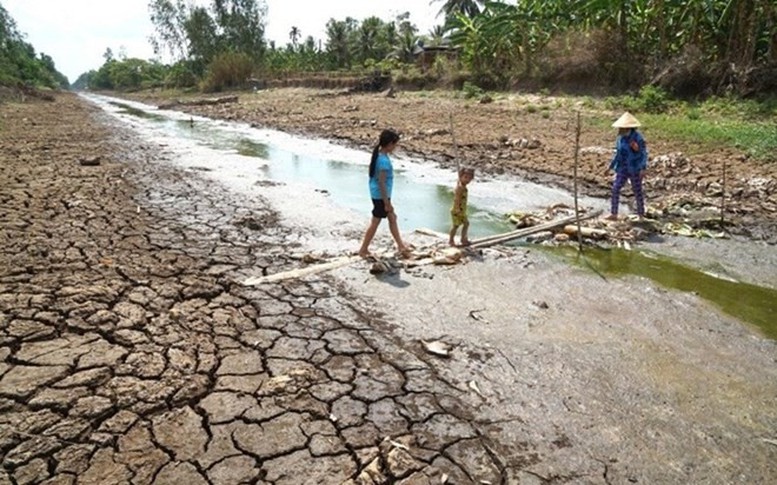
629,163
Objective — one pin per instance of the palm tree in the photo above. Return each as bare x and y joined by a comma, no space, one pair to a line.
294,35
437,35
368,38
470,8
337,42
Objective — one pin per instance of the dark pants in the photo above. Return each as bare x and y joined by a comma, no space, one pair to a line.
636,186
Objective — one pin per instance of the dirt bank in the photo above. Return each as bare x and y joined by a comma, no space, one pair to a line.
532,136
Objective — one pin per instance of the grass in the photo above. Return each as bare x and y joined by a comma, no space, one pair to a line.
747,125
759,139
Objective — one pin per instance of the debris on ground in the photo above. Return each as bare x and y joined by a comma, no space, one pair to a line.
675,219
437,347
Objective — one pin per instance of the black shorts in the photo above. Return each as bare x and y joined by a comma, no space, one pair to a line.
379,209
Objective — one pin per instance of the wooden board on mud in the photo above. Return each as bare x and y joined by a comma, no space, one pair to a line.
301,272
494,239
446,256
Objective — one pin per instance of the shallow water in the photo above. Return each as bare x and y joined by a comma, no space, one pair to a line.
753,304
423,195
244,158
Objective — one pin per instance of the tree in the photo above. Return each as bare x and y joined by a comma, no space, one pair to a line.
451,8
199,33
19,63
437,35
338,33
169,20
202,39
241,24
294,35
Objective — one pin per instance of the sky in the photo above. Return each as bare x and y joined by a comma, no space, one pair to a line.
76,33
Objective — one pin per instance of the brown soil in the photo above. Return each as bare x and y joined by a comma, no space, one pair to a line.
532,136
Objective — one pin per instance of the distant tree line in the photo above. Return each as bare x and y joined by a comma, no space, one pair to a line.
19,64
686,46
712,43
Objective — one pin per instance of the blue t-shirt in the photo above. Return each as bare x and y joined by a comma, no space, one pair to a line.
631,154
383,163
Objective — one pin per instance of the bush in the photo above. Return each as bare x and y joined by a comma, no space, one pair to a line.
228,70
180,75
653,99
472,90
413,78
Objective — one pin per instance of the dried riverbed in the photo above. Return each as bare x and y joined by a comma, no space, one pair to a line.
129,352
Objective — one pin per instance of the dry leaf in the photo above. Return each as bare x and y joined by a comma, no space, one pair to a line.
474,386
396,444
437,348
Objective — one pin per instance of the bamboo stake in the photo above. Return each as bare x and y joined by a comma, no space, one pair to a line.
456,152
723,199
577,160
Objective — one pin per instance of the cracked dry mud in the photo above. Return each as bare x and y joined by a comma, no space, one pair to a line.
129,355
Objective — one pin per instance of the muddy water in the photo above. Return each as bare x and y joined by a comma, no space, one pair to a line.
753,304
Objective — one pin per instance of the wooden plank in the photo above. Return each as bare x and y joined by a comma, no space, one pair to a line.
505,237
302,272
589,232
508,236
431,232
491,241
476,244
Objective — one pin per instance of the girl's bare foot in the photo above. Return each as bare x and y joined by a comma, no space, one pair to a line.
365,254
452,243
465,242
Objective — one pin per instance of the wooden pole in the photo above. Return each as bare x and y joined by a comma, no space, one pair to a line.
456,153
577,161
723,199
510,236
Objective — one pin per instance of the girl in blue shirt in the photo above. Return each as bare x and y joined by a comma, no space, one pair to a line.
629,163
381,184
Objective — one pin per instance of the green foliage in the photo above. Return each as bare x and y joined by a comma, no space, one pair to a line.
228,70
197,33
181,75
414,77
757,138
716,122
471,90
124,75
505,40
653,99
19,64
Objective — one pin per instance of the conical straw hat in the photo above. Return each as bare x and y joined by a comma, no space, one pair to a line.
627,121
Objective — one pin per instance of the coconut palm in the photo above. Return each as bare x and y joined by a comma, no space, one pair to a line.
450,8
294,35
337,42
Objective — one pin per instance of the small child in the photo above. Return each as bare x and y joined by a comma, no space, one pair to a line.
459,209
